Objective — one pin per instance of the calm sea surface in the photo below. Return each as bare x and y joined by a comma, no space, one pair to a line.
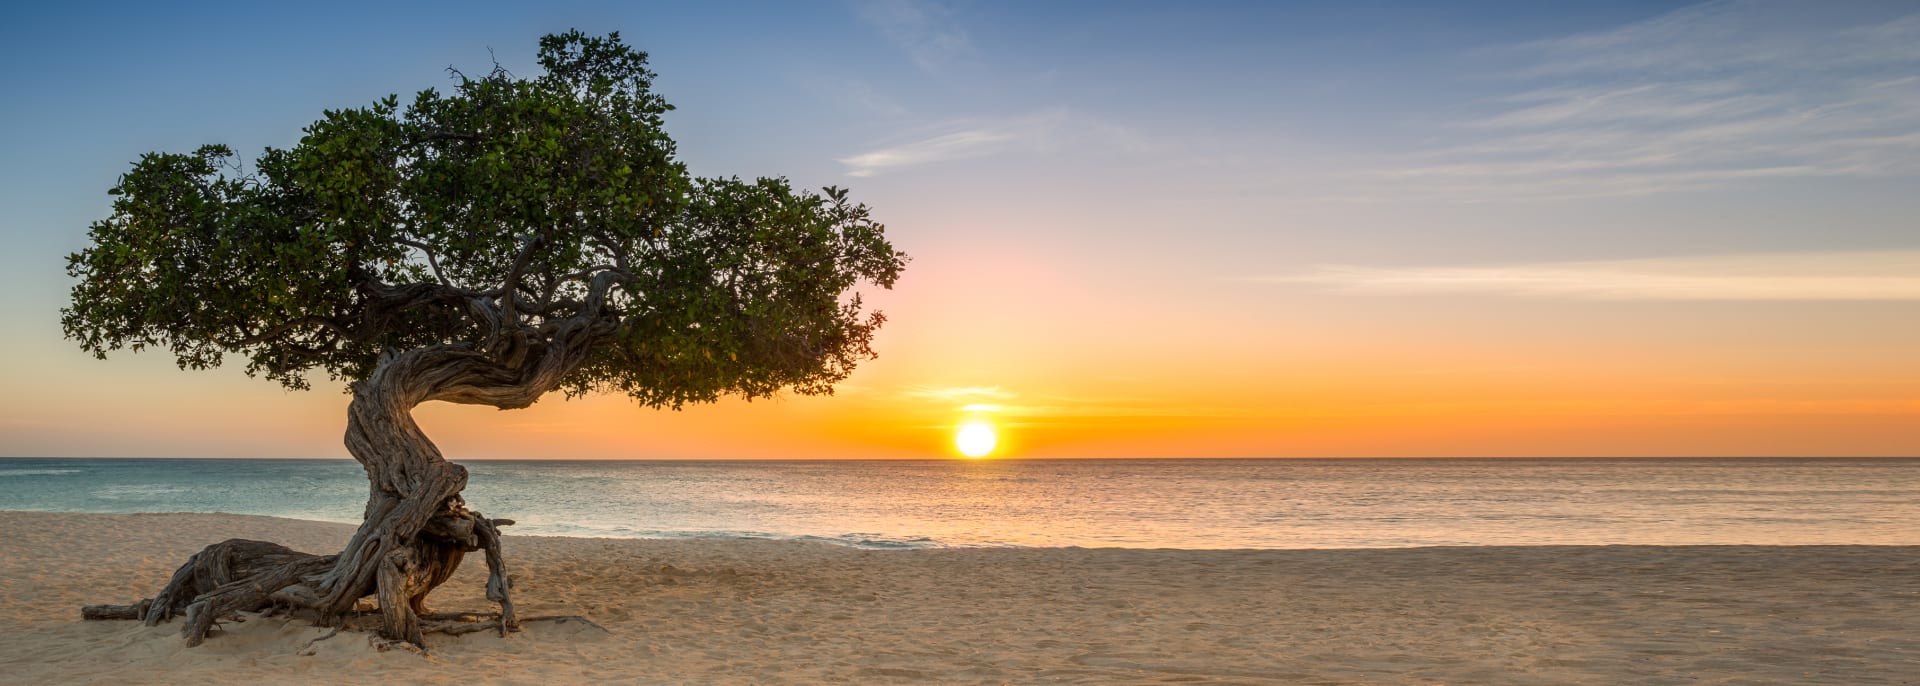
1122,503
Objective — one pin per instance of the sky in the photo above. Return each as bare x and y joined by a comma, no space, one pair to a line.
1203,229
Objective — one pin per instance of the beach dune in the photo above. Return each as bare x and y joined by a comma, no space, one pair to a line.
711,611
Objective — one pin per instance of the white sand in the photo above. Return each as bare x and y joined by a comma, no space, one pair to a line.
777,612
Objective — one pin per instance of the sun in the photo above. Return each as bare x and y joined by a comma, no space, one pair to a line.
975,438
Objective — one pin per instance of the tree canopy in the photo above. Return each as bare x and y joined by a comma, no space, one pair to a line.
487,246
507,218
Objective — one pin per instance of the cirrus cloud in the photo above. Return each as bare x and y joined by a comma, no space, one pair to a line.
1879,275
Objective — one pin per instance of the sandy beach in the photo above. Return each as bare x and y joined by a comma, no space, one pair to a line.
785,612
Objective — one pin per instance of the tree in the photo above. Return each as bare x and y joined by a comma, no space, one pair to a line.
487,246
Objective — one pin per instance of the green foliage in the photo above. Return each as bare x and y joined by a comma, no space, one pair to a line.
483,218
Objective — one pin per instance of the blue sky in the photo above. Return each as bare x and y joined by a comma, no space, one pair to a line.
1402,103
1295,175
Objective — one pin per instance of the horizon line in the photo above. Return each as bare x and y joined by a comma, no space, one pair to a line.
1018,459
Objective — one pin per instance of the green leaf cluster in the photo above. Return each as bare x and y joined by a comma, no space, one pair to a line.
505,216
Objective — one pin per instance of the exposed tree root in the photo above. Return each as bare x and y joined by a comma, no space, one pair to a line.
416,528
308,648
457,623
238,575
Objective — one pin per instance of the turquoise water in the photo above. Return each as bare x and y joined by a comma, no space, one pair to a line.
1106,503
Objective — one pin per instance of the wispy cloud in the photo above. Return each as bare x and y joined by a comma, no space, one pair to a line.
1038,413
1014,409
1722,35
957,392
1884,275
924,30
1045,131
1704,97
973,142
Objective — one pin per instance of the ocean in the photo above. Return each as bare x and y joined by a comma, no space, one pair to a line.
1184,503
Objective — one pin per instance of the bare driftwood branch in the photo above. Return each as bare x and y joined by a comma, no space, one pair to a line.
134,611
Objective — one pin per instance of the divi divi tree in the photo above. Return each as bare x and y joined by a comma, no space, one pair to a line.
490,245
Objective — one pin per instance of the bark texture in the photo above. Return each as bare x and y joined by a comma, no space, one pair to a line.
416,529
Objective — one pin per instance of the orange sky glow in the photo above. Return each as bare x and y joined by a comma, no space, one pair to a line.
1102,371
1150,230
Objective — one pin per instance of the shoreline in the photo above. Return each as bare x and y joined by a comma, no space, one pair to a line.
832,542
886,545
772,611
1186,504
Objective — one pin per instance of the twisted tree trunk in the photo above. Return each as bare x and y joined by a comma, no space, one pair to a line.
416,528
